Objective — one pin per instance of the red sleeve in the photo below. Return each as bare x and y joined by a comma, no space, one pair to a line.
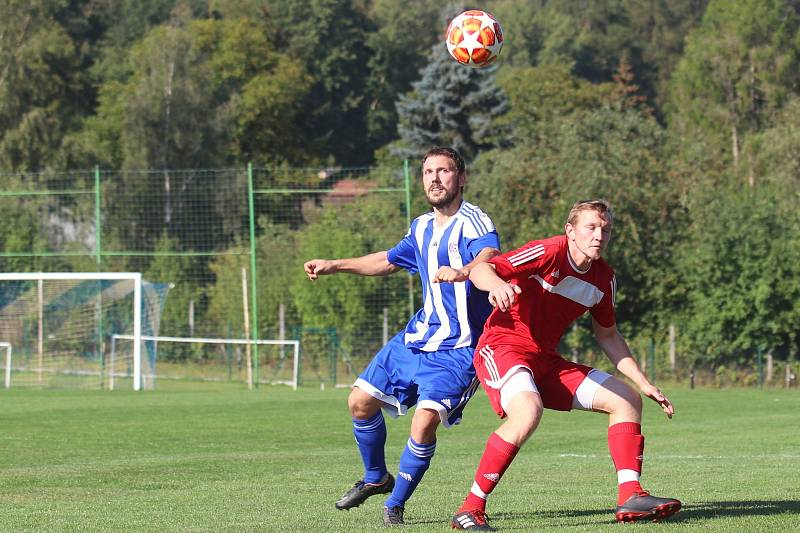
520,263
603,312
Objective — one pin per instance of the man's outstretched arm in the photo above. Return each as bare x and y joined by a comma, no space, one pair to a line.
375,264
616,348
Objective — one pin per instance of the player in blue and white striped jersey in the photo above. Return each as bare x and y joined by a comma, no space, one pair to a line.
429,364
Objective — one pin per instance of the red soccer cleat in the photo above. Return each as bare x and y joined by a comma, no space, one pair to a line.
642,506
474,520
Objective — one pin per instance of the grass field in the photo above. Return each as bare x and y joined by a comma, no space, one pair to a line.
199,457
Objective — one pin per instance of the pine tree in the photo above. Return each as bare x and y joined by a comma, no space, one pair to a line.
451,105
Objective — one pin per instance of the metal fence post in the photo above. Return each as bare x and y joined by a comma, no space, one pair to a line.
253,271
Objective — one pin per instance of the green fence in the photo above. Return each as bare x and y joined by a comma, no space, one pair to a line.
231,244
207,232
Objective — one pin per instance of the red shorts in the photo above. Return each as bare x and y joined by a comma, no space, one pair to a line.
556,378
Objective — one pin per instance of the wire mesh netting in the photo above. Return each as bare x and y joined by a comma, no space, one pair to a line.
231,244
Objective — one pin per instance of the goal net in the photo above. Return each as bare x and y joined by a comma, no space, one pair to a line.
213,359
57,327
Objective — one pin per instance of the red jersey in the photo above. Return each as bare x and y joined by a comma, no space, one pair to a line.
554,294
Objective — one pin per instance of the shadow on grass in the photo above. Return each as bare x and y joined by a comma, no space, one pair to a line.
693,511
712,509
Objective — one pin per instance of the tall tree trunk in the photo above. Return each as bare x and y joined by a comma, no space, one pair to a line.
730,89
165,141
751,178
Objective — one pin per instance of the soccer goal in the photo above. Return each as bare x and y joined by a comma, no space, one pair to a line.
7,347
211,359
59,324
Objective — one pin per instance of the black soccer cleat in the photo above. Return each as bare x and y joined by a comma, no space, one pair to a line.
393,516
642,506
361,491
474,520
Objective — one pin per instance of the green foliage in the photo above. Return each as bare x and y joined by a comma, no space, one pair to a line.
566,113
19,232
43,90
399,47
740,66
740,271
177,270
344,300
199,94
607,153
660,28
539,95
225,297
328,37
278,264
450,106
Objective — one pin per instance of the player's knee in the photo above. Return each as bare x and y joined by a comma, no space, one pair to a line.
635,401
361,404
618,398
525,412
424,425
629,399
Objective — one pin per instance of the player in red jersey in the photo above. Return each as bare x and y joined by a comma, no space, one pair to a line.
538,290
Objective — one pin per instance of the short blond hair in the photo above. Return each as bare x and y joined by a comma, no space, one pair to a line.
601,206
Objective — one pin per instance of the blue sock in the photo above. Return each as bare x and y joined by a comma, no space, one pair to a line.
371,437
414,463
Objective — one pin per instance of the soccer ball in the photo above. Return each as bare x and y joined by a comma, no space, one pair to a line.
474,38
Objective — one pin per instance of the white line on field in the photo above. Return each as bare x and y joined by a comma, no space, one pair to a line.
701,457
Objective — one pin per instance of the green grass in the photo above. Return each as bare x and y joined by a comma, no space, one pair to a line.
201,457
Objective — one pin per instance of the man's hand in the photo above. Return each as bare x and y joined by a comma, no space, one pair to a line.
318,267
657,396
448,274
504,295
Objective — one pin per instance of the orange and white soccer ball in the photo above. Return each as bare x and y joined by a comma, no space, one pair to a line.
474,38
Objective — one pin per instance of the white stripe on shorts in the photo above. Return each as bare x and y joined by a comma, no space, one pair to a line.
520,381
393,406
495,380
584,395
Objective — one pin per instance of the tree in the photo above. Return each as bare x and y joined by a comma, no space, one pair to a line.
589,37
739,68
353,303
739,268
659,28
327,37
540,95
399,48
43,81
451,105
619,155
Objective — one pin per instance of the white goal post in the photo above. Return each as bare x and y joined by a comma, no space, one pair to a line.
7,346
135,277
205,340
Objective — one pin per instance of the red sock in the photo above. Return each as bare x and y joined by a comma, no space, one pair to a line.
626,444
497,457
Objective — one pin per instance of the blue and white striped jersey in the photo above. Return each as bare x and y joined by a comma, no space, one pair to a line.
453,313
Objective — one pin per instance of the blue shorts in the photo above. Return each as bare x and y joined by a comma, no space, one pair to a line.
402,377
